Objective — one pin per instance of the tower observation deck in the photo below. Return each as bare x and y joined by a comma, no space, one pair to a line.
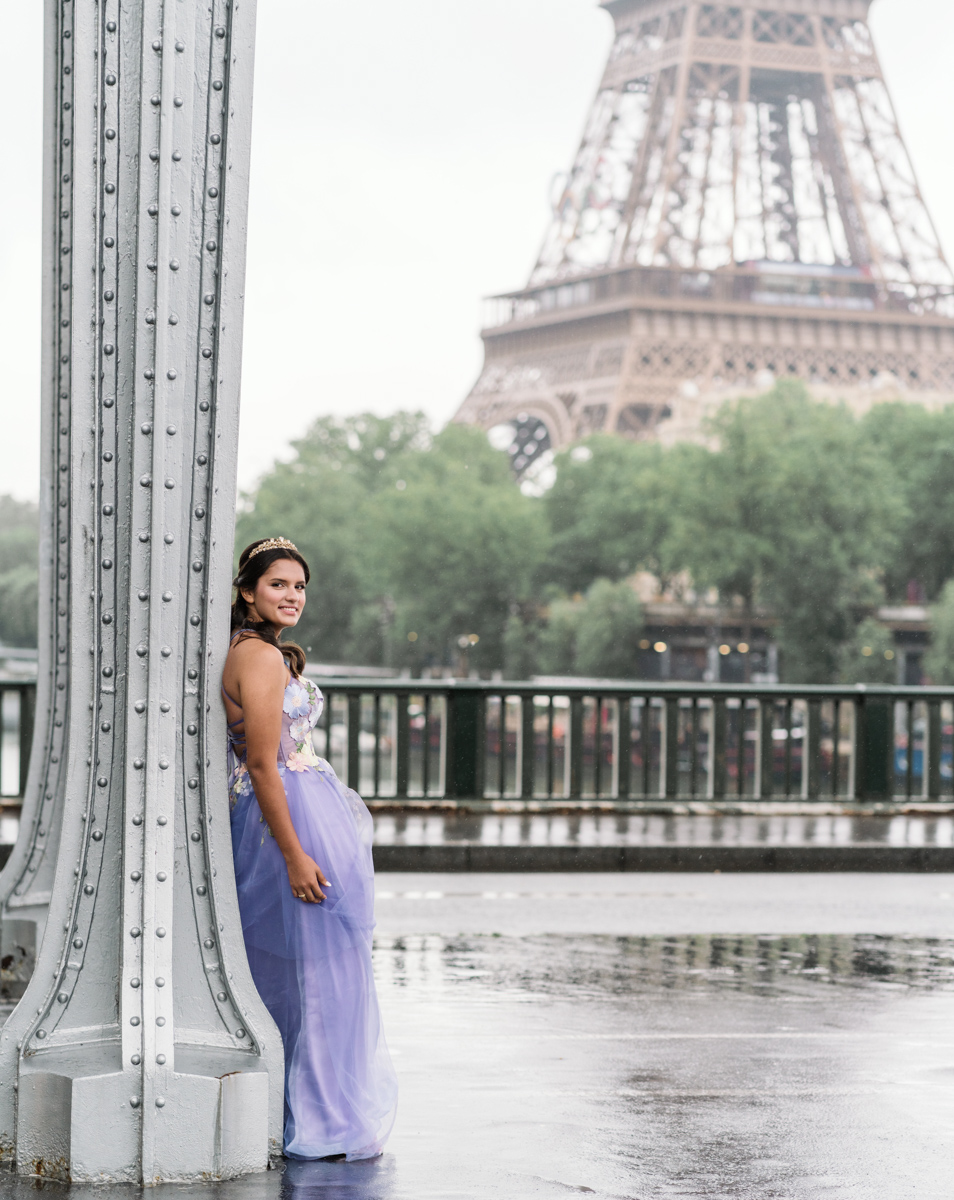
742,207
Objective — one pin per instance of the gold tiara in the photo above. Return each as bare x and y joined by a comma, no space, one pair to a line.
279,543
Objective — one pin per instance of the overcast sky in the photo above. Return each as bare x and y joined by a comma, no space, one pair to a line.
403,151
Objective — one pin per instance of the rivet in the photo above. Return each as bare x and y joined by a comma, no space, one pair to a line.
145,481
215,139
111,26
107,563
160,1059
110,134
193,784
160,982
206,352
171,430
213,192
174,264
108,457
177,101
200,513
160,1100
168,538
135,1060
143,537
62,997
165,706
135,931
134,1100
109,243
107,672
88,890
201,890
77,943
160,1021
110,80
219,31
202,459
110,188
154,157
148,373
153,210
156,101
140,706
209,298
208,943
151,266
108,348
145,427
150,317
217,85
137,764
108,617
221,996
97,835
162,821
197,837
193,673
134,983
195,620
107,510
41,1033
176,156
157,46
176,210
167,596
170,484
210,246
163,764
142,651
105,727
137,819
133,1020
203,407
160,932
161,876
240,1033
173,319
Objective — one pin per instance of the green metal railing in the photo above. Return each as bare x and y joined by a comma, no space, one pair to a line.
415,740
17,706
456,741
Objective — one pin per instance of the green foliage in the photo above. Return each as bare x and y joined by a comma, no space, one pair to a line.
790,511
607,636
939,660
868,656
18,572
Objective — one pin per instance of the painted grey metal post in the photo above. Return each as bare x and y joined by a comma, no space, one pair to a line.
27,878
141,1050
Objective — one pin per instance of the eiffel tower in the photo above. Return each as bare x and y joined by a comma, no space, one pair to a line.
742,207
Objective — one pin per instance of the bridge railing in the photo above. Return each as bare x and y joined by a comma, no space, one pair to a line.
413,741
416,741
17,705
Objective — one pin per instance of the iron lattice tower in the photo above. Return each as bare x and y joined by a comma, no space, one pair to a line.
742,206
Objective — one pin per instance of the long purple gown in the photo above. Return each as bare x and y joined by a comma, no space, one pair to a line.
312,962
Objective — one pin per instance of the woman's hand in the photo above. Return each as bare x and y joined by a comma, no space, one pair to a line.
306,878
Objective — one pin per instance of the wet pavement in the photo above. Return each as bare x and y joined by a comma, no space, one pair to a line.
582,841
753,1037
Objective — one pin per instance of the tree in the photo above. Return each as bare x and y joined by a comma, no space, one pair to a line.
789,511
19,574
916,452
608,632
939,660
869,655
610,510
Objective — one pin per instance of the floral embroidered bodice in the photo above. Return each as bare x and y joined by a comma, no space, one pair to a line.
302,705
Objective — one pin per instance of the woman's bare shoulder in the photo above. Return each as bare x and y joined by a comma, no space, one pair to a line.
252,653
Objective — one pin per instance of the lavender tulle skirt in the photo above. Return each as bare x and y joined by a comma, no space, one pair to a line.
312,966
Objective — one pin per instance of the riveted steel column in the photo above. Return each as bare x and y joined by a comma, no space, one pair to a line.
27,879
140,1050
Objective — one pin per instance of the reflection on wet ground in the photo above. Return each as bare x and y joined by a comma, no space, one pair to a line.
628,829
730,1067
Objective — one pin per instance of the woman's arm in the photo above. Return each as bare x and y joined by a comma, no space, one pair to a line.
260,676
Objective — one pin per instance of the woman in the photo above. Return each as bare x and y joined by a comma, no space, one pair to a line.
308,936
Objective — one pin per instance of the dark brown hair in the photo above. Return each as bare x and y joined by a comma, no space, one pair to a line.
249,573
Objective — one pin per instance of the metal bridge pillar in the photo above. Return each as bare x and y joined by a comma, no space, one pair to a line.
140,1050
